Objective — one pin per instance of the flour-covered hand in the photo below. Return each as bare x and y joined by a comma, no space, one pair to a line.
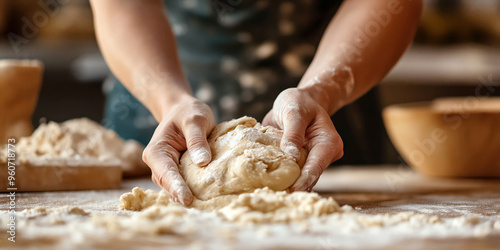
306,124
186,126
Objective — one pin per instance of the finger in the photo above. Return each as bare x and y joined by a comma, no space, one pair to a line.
268,119
197,144
162,161
176,187
156,181
312,169
293,136
310,189
319,158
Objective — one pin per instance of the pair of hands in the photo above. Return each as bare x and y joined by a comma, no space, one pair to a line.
304,121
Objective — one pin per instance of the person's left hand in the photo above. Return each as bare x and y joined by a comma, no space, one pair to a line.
305,124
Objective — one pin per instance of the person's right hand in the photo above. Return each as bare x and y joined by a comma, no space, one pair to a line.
186,126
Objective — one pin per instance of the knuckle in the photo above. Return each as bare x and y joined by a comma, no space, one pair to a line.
293,110
317,168
197,118
154,179
336,141
293,137
168,150
174,156
339,155
145,155
290,93
339,145
162,182
196,142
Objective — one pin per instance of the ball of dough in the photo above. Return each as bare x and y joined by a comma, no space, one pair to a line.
245,156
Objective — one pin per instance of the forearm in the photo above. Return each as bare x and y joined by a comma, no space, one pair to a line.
361,44
138,44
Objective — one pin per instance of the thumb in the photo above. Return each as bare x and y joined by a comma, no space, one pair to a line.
293,136
197,145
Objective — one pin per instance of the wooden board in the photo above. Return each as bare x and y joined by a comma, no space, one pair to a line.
61,178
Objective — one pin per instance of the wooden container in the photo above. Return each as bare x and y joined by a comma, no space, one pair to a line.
450,137
20,83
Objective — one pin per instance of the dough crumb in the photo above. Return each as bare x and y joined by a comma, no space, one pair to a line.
267,206
139,199
153,220
41,211
496,226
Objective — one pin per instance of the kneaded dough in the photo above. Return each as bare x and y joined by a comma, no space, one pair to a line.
245,156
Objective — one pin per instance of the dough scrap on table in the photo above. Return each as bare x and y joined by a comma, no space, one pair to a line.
40,211
267,206
261,206
245,156
155,219
79,142
139,199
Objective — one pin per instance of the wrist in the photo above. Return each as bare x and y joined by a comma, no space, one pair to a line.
167,102
158,88
331,88
320,95
160,99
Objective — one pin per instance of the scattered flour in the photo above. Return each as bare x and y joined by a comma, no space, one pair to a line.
259,219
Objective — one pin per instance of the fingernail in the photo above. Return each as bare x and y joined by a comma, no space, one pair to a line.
301,187
200,156
184,201
292,150
304,182
184,197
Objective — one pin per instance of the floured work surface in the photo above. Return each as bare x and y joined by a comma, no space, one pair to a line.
451,219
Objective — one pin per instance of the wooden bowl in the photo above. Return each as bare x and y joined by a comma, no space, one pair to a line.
449,137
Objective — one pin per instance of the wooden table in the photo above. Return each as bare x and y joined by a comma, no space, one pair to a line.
371,190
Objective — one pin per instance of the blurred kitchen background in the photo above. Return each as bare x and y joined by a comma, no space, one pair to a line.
457,47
